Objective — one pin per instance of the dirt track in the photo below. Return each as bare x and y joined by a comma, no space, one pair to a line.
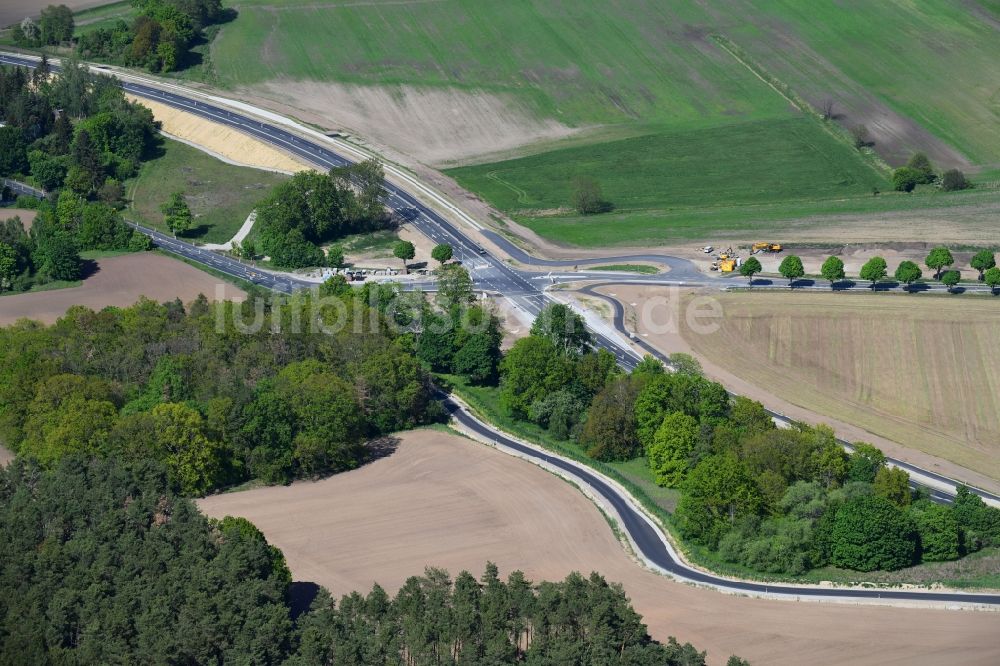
445,501
119,281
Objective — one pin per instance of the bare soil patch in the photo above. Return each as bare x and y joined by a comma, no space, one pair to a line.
915,376
435,126
222,141
26,215
6,455
445,501
120,281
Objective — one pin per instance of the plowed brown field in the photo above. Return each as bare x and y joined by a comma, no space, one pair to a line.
119,281
445,501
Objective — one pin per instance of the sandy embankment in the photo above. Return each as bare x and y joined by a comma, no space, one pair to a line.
119,281
445,501
221,140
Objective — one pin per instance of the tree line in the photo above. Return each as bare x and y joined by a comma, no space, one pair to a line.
774,500
310,209
920,171
876,269
104,562
159,38
77,137
216,403
75,131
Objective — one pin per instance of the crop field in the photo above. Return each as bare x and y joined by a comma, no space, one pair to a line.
220,195
581,62
913,72
920,371
119,281
641,94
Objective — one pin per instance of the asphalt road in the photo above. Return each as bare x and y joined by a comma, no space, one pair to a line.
652,545
493,274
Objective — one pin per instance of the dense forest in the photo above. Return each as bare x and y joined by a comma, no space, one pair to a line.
270,391
77,137
101,562
312,208
775,500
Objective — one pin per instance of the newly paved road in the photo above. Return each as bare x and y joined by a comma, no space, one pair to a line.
493,274
653,547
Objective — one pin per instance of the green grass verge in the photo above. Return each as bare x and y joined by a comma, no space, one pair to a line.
220,195
104,16
627,268
103,254
48,286
978,571
374,242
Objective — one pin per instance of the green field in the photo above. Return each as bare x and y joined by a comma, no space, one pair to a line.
104,16
642,178
686,137
580,62
220,195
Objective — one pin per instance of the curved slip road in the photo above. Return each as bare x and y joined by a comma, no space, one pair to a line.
653,547
492,273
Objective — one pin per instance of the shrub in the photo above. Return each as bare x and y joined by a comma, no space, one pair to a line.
953,179
871,533
904,179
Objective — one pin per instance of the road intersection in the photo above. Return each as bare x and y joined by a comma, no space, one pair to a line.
493,274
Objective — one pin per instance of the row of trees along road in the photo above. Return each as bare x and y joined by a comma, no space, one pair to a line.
103,562
772,500
875,269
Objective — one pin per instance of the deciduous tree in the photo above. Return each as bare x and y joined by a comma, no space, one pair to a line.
670,453
938,259
833,270
874,270
791,268
907,272
749,268
871,533
982,261
442,253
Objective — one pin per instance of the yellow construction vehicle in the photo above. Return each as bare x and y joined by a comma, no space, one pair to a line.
727,265
775,247
758,247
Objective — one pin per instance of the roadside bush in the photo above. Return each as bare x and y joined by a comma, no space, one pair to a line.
938,530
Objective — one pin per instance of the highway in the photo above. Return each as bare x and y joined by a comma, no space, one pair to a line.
526,291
